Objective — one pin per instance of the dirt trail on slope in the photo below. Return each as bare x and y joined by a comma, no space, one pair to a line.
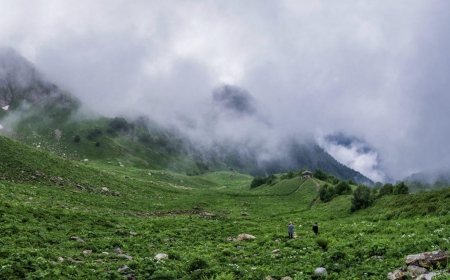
318,197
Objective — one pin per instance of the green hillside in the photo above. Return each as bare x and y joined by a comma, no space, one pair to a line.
57,221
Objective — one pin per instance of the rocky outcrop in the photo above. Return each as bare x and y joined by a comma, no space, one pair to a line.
418,266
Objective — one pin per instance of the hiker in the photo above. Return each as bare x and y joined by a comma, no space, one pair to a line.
291,230
315,228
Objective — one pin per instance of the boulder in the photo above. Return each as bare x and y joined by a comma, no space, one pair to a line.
428,259
426,276
320,270
276,251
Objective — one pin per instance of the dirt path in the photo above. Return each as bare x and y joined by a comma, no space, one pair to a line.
318,197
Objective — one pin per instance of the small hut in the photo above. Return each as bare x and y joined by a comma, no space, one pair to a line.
306,174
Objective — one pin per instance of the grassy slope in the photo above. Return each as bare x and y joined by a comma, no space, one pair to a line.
40,214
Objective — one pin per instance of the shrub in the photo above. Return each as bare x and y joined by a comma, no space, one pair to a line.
93,134
76,139
197,263
322,242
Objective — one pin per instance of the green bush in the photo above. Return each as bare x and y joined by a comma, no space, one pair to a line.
362,198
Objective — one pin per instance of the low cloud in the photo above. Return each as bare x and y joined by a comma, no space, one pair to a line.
377,70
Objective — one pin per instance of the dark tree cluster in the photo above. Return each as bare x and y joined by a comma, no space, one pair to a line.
259,181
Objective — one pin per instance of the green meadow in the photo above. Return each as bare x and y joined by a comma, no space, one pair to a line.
66,219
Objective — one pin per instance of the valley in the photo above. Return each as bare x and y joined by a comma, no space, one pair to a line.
67,219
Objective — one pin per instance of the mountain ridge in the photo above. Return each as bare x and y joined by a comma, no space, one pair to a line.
55,117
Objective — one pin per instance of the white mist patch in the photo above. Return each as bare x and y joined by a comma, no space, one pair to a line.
1,126
5,107
354,156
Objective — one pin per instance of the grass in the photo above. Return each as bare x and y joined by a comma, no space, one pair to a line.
56,222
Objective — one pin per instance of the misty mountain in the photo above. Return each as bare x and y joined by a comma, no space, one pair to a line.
235,100
430,176
42,115
20,81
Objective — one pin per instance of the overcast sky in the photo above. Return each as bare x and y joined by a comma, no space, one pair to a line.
375,70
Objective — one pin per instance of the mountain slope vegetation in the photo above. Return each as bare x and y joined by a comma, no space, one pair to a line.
94,220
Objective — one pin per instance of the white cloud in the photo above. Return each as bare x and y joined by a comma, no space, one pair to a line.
372,68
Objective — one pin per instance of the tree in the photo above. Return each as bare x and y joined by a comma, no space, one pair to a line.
290,174
76,139
343,187
256,182
401,188
319,174
387,189
361,199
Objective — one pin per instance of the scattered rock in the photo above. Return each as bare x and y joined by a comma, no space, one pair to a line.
130,277
126,177
105,189
269,278
320,270
276,251
130,258
123,267
116,193
161,256
133,233
87,252
245,236
77,239
60,259
118,251
415,270
396,275
286,278
244,213
206,215
231,239
153,246
74,261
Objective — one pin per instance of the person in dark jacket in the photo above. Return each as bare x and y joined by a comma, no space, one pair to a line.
315,228
291,230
